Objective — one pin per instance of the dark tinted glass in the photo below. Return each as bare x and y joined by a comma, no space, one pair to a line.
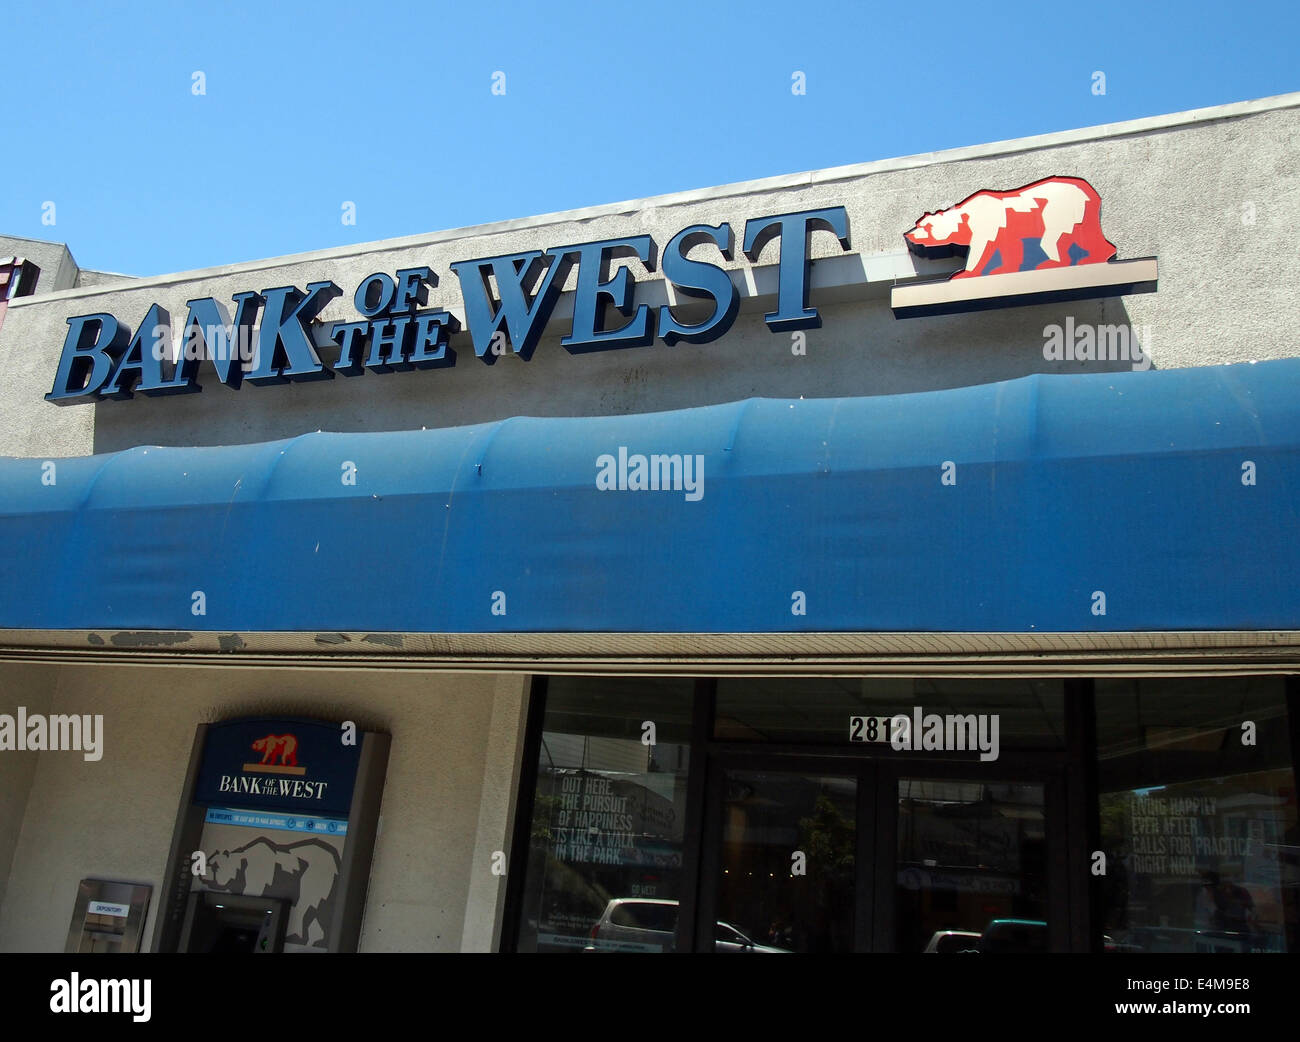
788,861
1198,815
972,856
608,814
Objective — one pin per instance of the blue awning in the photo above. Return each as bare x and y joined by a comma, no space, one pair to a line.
1176,495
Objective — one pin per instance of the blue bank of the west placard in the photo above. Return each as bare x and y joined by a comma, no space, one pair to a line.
279,764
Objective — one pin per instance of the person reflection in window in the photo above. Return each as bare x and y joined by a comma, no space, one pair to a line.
1223,905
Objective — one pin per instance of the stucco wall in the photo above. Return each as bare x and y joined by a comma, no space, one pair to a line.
1179,191
58,269
92,279
454,738
29,686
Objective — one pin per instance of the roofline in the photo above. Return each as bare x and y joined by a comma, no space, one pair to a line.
97,271
965,153
43,242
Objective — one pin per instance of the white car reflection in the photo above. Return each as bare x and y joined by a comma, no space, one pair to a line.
646,924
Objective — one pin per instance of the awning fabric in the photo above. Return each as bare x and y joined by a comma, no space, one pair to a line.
1175,494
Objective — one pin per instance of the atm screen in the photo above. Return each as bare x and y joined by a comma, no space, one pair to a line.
227,923
235,939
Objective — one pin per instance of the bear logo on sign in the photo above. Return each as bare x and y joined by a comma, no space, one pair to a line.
1052,223
306,873
283,747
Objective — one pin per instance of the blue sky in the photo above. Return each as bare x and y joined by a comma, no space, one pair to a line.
391,106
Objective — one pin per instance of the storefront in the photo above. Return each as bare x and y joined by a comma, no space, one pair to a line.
1127,806
891,558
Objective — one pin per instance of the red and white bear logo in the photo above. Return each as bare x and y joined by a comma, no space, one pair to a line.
1052,223
283,747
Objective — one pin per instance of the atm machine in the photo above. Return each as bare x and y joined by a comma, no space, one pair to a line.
217,922
274,837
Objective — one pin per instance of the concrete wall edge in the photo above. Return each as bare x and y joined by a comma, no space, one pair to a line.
830,175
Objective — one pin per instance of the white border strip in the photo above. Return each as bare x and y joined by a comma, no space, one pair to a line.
1147,653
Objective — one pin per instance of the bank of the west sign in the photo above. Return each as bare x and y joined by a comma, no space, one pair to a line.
281,764
1037,243
272,338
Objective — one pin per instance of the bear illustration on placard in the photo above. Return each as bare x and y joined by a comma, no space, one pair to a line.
1052,223
284,746
305,873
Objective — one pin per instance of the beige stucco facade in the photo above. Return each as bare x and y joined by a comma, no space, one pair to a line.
445,806
1214,194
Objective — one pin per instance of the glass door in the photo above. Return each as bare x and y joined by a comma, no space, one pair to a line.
971,873
836,854
788,862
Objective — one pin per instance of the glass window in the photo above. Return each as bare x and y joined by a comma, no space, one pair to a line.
605,846
789,843
972,867
1198,815
817,710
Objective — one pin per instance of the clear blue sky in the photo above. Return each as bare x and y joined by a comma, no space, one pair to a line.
390,106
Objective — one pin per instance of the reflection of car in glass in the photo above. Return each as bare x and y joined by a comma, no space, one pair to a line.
947,941
1014,936
1009,933
646,924
728,939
